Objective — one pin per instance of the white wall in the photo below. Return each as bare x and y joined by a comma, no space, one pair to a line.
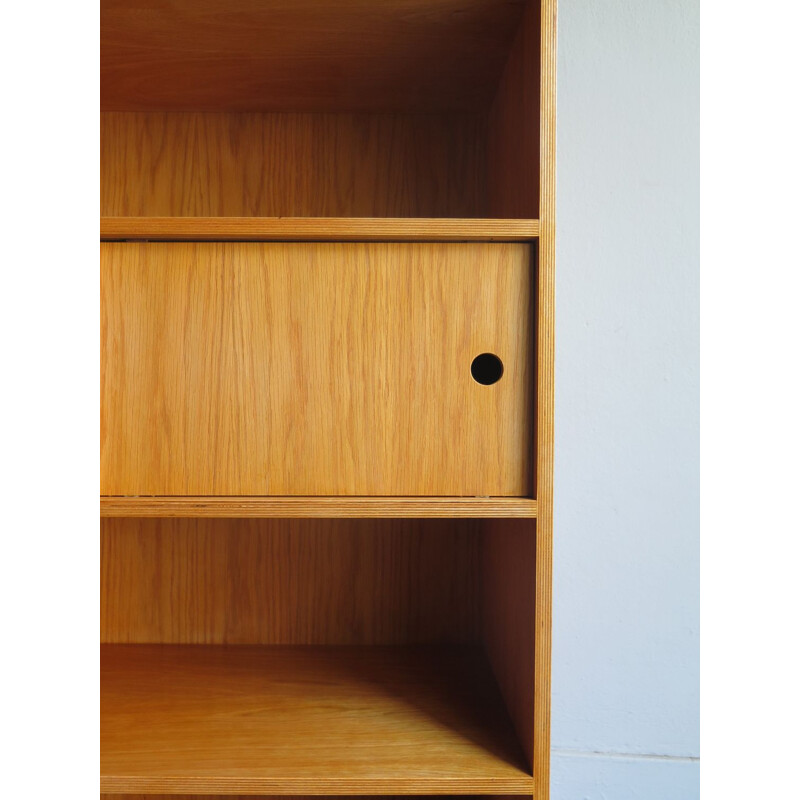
626,620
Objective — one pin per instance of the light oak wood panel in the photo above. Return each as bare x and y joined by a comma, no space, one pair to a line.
508,560
336,582
513,152
292,165
545,393
315,369
304,720
347,507
252,55
317,229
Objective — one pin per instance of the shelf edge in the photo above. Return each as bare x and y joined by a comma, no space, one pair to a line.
111,784
352,507
317,229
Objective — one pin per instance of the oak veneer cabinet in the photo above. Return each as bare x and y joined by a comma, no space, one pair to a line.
327,285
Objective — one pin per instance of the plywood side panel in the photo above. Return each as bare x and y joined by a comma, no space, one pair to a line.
509,606
315,369
276,581
292,165
253,55
545,394
513,156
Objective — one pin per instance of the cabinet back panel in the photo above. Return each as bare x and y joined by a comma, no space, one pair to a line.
323,582
301,165
315,369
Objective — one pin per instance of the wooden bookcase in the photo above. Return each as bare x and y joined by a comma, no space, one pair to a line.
326,530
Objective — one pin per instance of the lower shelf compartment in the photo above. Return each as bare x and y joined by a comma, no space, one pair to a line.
205,719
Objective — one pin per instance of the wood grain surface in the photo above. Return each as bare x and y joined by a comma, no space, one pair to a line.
270,720
508,564
106,796
312,381
292,165
342,229
337,582
315,369
327,55
342,507
513,143
545,403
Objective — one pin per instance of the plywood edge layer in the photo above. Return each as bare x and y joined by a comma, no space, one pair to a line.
317,229
317,507
522,785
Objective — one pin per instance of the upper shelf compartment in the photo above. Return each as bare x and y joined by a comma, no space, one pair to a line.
320,108
304,55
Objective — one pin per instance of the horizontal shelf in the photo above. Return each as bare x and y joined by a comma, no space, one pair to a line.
317,229
305,720
352,507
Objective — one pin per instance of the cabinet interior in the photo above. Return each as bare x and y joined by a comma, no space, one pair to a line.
374,651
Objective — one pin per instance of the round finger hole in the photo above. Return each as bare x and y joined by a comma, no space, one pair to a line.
487,369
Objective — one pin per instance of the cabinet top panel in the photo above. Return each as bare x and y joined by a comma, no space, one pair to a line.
255,55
